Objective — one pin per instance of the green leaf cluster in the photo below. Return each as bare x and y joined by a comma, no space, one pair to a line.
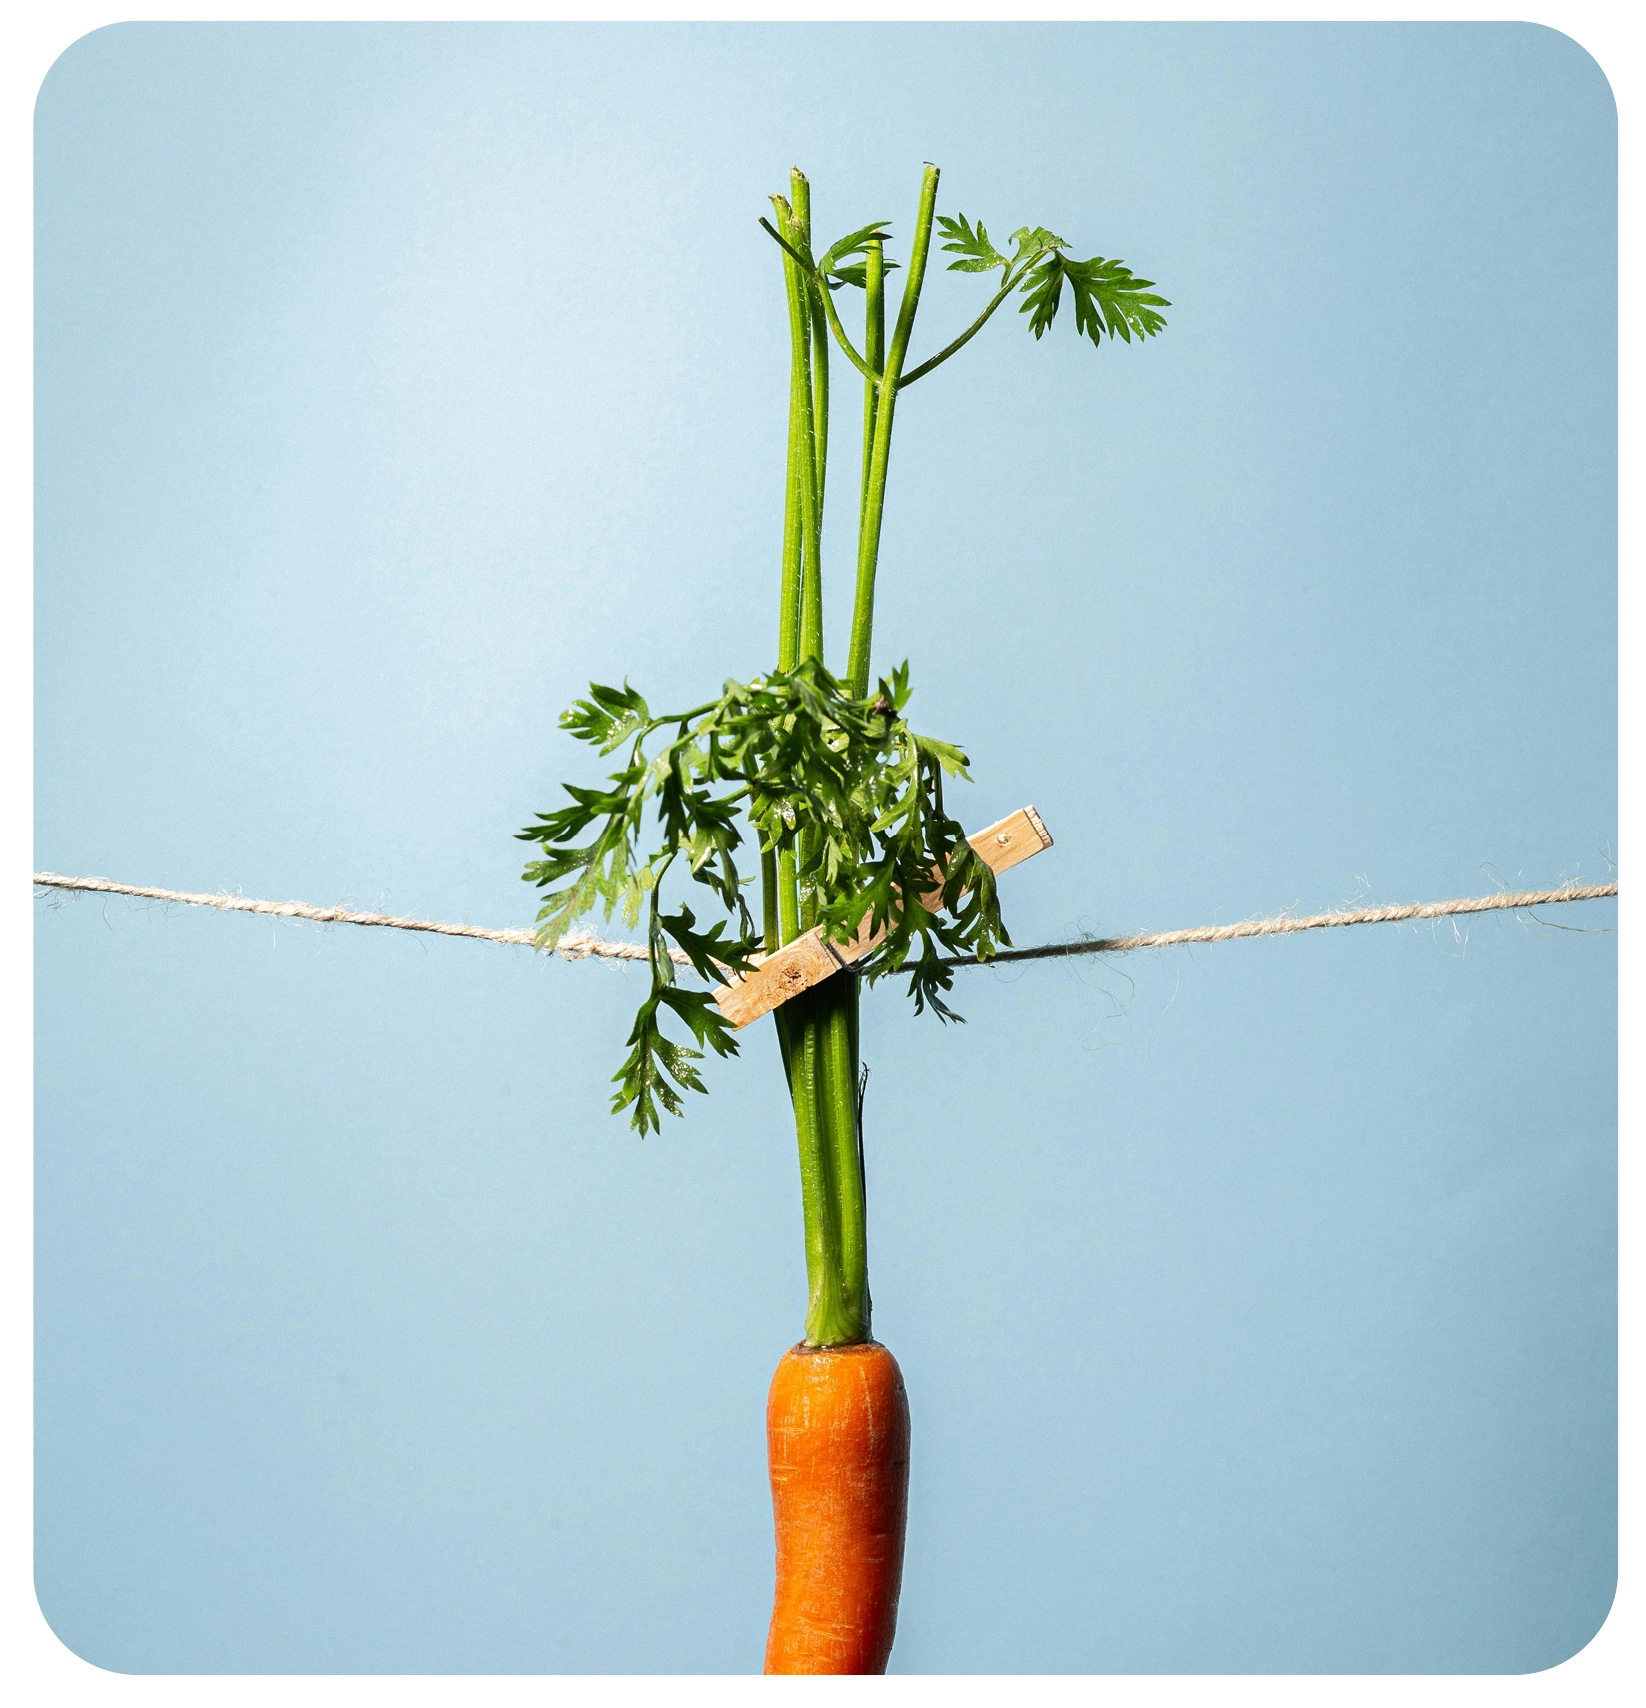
839,783
1108,297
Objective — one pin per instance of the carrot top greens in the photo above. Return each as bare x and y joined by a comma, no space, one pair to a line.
840,797
840,785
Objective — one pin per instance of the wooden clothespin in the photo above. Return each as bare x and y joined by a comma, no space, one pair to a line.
811,958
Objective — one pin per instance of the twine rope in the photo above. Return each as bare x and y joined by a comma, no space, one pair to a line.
582,945
574,946
1283,923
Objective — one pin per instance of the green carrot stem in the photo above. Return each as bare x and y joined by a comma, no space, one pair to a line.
832,314
819,349
802,425
772,936
848,1323
818,359
965,337
770,925
788,625
818,1030
820,434
797,1029
797,518
809,452
868,545
874,342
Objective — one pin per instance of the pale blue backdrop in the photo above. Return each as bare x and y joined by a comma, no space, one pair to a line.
1257,1305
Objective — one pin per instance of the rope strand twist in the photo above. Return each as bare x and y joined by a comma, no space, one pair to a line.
583,945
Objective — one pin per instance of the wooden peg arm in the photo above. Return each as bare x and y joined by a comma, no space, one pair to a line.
811,958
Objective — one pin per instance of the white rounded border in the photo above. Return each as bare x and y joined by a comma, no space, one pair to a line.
38,1668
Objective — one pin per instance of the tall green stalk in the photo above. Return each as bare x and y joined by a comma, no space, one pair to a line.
790,597
836,1008
809,432
818,1031
818,353
874,353
874,497
806,356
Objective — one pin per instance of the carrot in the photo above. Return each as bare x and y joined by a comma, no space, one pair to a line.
837,1437
846,804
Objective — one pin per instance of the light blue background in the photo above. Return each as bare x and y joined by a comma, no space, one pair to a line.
1257,1305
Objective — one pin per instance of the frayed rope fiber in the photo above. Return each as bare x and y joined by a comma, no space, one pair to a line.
580,945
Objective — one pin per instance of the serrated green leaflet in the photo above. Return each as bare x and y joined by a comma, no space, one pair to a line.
971,243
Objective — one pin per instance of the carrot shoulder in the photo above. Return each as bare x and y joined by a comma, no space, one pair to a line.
837,1436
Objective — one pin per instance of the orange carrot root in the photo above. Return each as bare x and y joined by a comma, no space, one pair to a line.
837,1437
